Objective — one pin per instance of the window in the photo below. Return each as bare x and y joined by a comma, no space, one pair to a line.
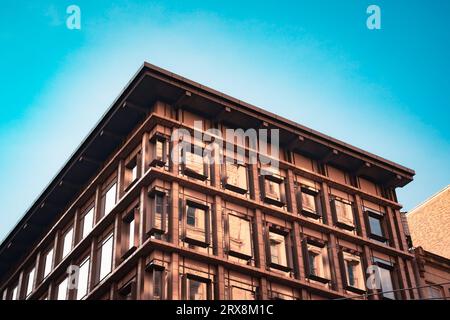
435,292
159,151
194,164
273,190
83,278
278,249
242,294
159,277
109,199
235,177
316,260
61,291
308,200
128,291
385,269
15,293
197,224
30,282
352,272
197,288
158,284
129,233
158,212
48,263
105,257
132,170
240,239
88,222
343,213
375,225
67,242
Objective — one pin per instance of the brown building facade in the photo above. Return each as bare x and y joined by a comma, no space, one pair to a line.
433,275
131,223
429,224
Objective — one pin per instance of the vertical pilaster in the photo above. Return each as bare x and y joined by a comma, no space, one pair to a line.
393,227
174,219
143,203
260,243
220,286
217,226
290,192
117,242
361,219
298,255
174,277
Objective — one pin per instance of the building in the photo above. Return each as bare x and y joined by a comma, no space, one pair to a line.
433,275
429,224
132,223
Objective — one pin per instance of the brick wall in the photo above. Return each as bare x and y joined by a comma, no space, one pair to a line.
429,224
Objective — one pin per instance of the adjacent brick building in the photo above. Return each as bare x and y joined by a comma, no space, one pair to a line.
135,224
429,224
433,275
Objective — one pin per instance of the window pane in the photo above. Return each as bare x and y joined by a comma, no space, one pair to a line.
240,235
197,290
318,261
48,263
83,278
375,226
67,243
30,282
159,150
236,175
62,290
157,284
354,271
195,223
110,199
386,283
159,211
273,189
15,293
131,226
106,257
435,293
242,294
195,162
277,249
88,222
344,212
133,171
308,202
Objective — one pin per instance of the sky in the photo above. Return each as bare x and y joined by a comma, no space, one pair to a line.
315,62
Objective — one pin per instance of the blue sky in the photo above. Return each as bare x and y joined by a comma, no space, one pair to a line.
315,62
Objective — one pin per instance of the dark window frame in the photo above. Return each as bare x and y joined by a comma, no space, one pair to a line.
281,202
343,266
207,210
191,172
231,252
224,177
370,213
306,259
317,199
186,289
287,244
152,226
337,222
158,161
